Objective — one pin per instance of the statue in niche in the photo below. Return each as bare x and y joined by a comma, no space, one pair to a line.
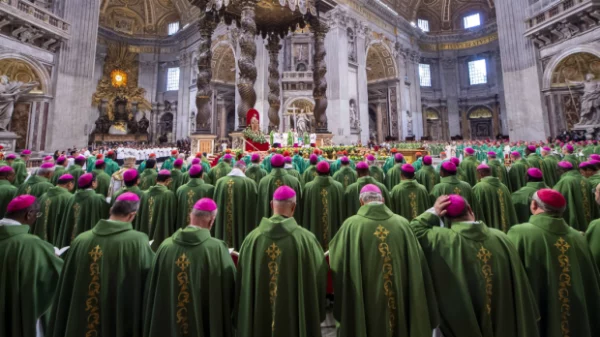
351,45
354,117
302,123
9,94
143,124
590,101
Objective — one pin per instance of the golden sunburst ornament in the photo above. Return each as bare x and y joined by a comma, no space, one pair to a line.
118,78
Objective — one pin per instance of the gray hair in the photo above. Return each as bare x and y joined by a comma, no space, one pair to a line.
286,202
547,208
371,197
124,208
239,165
203,214
42,171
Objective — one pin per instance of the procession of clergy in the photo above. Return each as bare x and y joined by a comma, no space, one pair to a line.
255,247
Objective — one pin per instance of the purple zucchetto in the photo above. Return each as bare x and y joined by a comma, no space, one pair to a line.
47,166
205,205
531,148
595,157
284,193
455,161
195,161
313,159
323,167
99,162
11,156
48,158
61,160
565,165
469,151
344,160
195,170
66,177
408,168
130,175
80,158
456,207
427,160
164,173
277,160
398,157
85,180
362,166
449,166
6,168
20,203
594,162
371,157
546,149
287,160
25,152
227,157
569,148
370,188
483,167
255,158
551,197
491,154
128,196
535,173
584,164
178,163
515,154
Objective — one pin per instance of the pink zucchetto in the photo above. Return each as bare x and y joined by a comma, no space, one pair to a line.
99,162
195,170
277,160
552,198
449,167
46,166
11,156
130,175
531,148
195,161
6,168
565,165
227,157
515,154
370,188
535,173
205,205
491,154
594,162
584,165
569,148
255,158
61,160
408,168
456,207
469,150
427,160
20,203
546,149
287,160
164,173
483,167
313,159
85,180
178,163
345,160
284,193
371,157
67,177
80,158
398,157
362,166
128,196
595,157
323,167
455,161
48,158
25,152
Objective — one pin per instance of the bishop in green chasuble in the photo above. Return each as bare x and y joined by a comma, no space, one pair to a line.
568,152
101,290
375,171
177,175
533,159
409,198
549,167
77,169
311,171
469,166
187,195
29,271
481,286
517,172
191,286
237,195
498,169
277,178
281,277
323,202
7,190
158,217
497,210
20,167
381,280
593,233
449,184
345,175
131,180
561,269
580,198
53,206
352,193
392,177
84,210
427,175
222,169
521,199
61,168
102,178
148,175
255,171
39,182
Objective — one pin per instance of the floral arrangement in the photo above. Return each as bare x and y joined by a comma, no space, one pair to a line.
256,137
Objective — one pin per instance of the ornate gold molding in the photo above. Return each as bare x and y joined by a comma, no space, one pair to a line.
459,45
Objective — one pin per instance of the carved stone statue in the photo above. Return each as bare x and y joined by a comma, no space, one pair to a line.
143,124
303,123
9,94
590,102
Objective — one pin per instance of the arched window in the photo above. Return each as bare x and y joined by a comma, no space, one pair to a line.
472,20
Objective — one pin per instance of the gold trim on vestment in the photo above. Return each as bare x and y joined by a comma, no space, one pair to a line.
388,285
46,212
586,202
413,204
503,223
76,212
229,215
325,218
150,211
273,252
564,283
485,257
92,304
183,298
190,201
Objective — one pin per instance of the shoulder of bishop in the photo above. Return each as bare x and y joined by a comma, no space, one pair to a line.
119,174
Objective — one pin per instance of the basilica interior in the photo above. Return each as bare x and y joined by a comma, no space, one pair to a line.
158,71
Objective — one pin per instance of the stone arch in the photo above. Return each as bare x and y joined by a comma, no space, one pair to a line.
14,61
480,112
223,61
380,62
558,58
480,118
300,103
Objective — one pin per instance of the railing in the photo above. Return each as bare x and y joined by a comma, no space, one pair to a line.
297,76
34,11
556,10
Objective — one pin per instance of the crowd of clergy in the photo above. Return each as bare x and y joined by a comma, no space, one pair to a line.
257,247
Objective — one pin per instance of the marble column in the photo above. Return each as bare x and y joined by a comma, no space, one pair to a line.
320,29
363,92
183,106
246,65
450,90
72,115
274,85
203,95
521,73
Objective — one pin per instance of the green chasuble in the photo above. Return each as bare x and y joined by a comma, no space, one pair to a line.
84,210
111,166
377,173
58,172
323,202
581,207
266,163
409,199
76,171
521,200
469,169
157,214
451,185
535,160
298,162
90,163
102,182
7,193
187,195
281,281
237,198
277,178
549,170
176,180
191,287
518,175
481,286
375,259
389,163
352,195
593,238
427,177
148,179
392,177
294,173
562,274
499,171
35,185
53,205
345,176
133,189
20,169
496,205
594,180
309,174
168,164
101,288
256,173
222,169
30,273
571,158
418,164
